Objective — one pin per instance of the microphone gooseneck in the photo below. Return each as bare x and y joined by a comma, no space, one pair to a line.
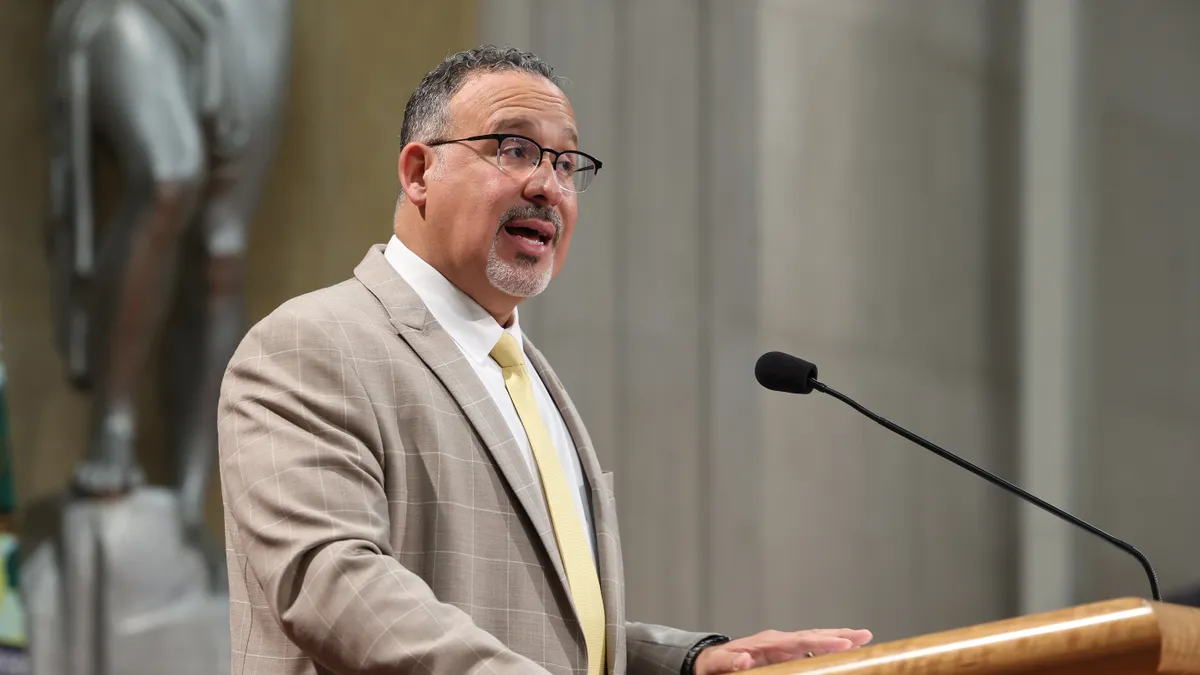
775,371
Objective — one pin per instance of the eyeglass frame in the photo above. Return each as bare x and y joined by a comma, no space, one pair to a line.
499,138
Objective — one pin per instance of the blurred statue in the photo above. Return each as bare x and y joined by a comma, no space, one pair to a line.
188,96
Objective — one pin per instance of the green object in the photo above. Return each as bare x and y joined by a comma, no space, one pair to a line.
8,493
12,614
13,640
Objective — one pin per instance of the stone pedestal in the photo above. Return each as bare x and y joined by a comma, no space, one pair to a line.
112,587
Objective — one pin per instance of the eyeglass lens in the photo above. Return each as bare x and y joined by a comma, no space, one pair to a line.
518,156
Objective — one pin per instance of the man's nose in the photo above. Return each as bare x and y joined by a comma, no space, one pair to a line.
543,184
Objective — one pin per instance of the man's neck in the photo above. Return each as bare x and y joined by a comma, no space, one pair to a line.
502,311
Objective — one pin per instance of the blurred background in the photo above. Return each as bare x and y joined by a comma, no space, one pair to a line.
977,217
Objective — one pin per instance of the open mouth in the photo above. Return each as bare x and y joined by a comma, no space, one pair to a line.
531,238
533,235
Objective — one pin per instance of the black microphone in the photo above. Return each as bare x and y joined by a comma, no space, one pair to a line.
792,375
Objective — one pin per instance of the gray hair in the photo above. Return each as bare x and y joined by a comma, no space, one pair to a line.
428,110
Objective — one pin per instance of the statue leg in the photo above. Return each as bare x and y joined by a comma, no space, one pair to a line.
210,321
205,332
142,107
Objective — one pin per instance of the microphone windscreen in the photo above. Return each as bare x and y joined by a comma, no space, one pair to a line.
786,373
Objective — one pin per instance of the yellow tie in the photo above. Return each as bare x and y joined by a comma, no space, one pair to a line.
568,525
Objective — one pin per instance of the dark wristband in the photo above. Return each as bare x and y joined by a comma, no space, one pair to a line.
689,661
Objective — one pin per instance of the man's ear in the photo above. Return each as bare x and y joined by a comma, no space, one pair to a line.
415,163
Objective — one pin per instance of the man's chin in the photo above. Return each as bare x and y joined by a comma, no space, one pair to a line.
519,279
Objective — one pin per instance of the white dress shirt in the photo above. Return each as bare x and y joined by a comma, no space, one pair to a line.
476,332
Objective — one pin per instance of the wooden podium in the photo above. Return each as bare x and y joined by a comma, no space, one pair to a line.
1129,636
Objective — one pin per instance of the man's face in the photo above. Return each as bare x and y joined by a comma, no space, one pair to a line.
502,235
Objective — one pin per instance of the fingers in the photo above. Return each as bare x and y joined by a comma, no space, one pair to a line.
795,646
823,645
773,646
817,641
858,636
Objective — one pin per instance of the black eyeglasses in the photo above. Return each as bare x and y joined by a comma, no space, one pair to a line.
520,156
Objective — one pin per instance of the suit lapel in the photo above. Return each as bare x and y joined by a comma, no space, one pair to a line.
416,326
604,513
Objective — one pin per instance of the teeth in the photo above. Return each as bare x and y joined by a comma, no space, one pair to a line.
531,236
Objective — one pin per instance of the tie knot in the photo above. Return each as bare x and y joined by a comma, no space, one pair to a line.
507,352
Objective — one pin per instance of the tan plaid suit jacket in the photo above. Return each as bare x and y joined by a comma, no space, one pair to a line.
378,515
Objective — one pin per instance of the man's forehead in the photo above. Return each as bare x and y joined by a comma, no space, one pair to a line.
525,126
513,98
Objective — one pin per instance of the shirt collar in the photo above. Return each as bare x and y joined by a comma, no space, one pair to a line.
470,326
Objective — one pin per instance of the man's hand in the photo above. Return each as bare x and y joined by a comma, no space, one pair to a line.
773,646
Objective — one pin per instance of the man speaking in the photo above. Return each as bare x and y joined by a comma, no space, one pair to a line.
407,486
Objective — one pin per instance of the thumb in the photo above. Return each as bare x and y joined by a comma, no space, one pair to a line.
717,661
742,661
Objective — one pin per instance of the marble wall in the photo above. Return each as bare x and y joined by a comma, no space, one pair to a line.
1140,473
887,258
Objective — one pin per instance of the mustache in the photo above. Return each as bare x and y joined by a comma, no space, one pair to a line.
532,212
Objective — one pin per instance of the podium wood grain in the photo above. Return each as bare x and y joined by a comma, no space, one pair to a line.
1129,636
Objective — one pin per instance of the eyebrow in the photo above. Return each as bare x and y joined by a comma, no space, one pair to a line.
524,124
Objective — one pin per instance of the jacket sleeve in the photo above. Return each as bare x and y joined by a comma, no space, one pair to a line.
302,479
657,650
